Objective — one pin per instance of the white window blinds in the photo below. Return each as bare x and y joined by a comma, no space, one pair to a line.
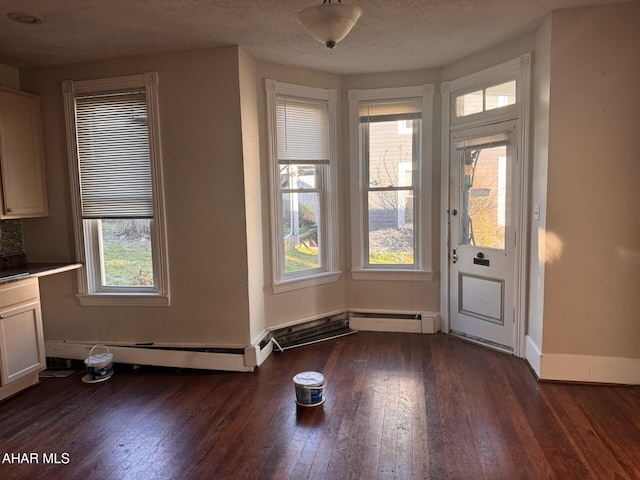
302,131
390,110
113,155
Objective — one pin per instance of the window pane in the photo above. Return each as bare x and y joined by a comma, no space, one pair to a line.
469,104
484,197
500,95
300,176
300,214
391,153
391,237
126,250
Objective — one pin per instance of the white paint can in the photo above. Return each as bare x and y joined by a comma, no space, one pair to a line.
309,388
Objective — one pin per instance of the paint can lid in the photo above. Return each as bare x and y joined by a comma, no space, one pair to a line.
309,379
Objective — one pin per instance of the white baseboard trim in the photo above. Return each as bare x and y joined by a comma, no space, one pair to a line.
533,354
256,356
385,325
157,356
428,323
590,369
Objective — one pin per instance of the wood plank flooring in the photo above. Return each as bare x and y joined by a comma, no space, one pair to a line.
398,406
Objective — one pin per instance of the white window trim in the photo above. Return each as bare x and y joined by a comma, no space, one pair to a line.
330,271
423,269
87,281
486,78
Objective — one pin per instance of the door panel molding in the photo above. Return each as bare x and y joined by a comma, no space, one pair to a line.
473,305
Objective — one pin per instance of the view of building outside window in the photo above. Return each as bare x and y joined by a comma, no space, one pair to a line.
391,169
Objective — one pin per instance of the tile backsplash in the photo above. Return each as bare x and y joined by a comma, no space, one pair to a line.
11,238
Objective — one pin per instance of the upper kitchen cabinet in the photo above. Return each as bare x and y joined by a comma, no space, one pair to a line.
24,192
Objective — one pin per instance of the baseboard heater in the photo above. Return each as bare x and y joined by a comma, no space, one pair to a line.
409,322
197,357
310,332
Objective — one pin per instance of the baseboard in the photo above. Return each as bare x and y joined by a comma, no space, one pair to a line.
179,358
430,322
385,325
259,350
403,322
589,369
532,355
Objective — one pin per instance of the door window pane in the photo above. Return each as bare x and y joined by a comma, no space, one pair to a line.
483,197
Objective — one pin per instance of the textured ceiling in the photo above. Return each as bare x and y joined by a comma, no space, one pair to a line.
390,36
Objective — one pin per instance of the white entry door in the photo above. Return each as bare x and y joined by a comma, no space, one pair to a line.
482,234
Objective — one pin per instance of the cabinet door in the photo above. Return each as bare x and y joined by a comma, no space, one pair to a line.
21,342
21,158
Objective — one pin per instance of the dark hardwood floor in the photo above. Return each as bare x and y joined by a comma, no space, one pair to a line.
398,406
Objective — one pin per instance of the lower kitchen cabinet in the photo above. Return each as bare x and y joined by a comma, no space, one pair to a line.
22,354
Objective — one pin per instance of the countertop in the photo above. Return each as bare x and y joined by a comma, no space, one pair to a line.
32,270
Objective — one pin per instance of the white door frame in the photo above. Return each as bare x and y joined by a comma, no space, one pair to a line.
520,68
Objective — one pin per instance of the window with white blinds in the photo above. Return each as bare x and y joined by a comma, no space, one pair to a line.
116,184
302,122
113,154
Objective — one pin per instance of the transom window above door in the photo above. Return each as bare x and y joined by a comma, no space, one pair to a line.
483,100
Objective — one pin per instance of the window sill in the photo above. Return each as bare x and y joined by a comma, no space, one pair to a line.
304,282
123,300
392,274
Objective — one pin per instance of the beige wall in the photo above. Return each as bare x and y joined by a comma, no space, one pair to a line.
591,300
488,58
538,171
202,147
9,76
252,192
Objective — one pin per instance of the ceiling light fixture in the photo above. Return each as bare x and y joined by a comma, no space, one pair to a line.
329,22
26,18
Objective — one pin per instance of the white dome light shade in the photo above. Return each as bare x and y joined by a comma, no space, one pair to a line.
329,22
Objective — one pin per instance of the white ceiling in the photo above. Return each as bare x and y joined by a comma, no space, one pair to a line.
392,35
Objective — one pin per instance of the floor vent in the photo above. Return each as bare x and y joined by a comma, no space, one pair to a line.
311,332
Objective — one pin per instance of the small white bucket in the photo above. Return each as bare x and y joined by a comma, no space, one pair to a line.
99,366
309,388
